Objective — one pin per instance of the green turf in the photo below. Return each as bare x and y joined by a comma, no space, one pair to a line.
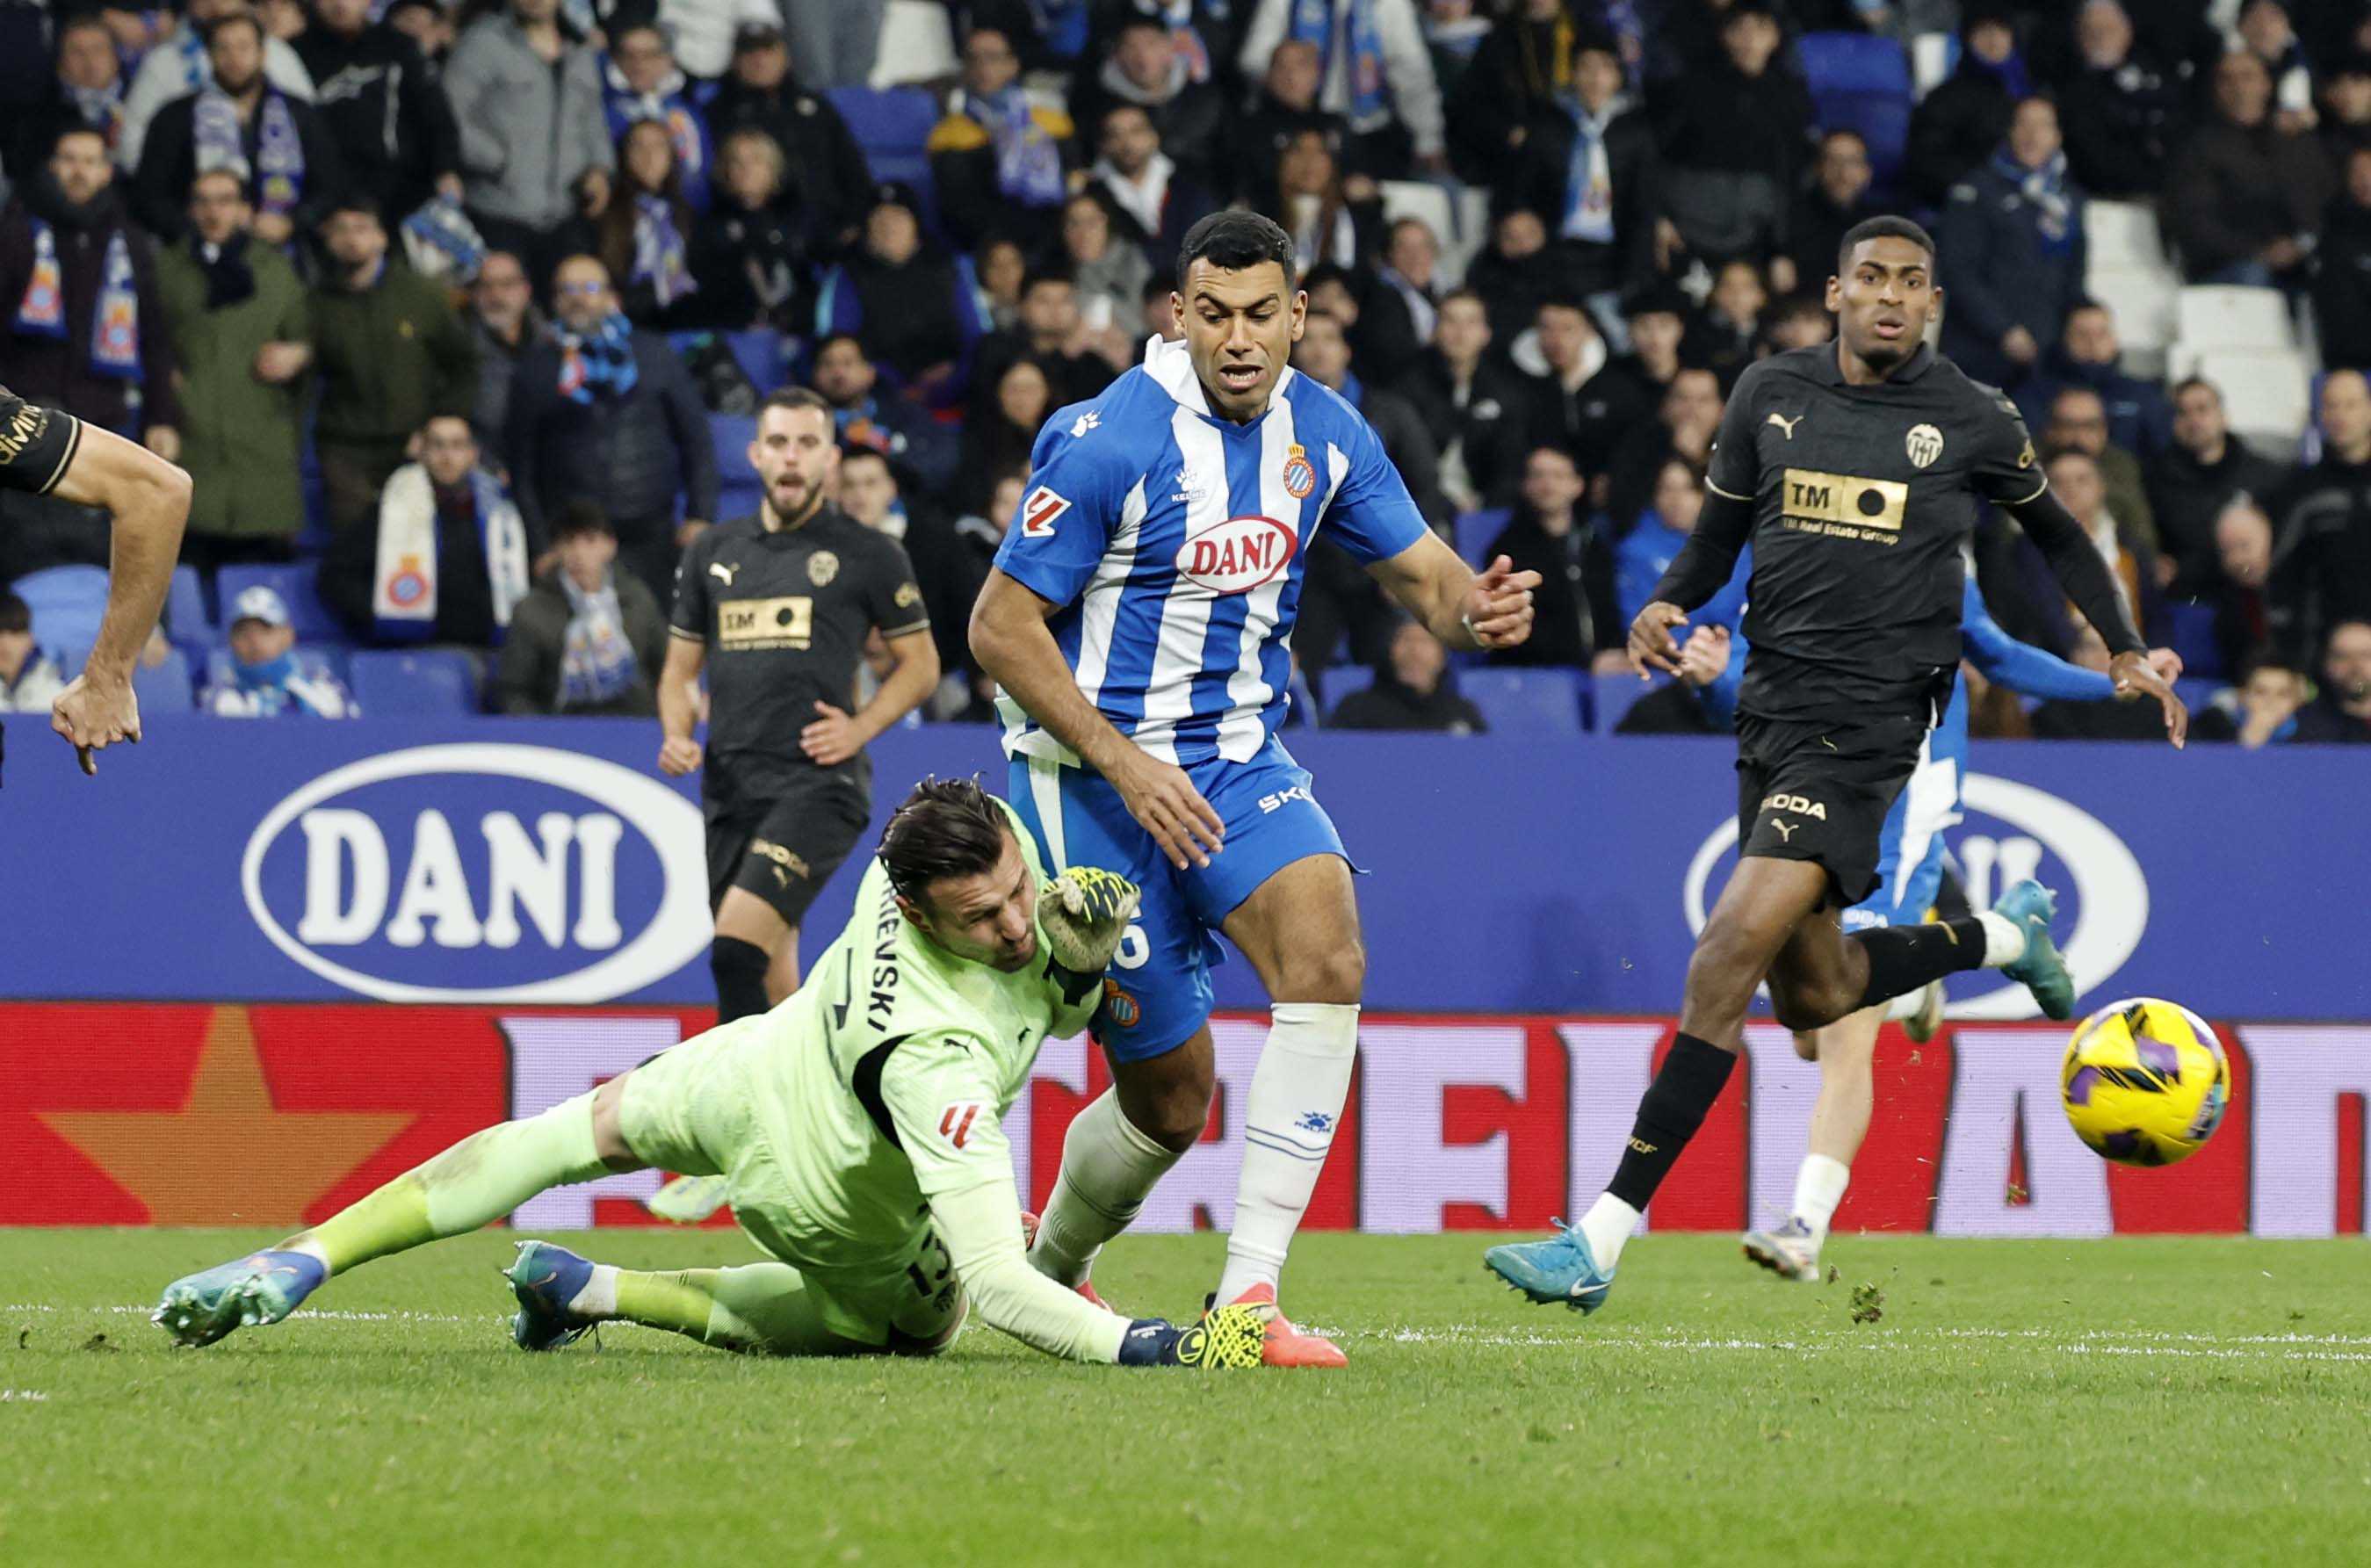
2135,1401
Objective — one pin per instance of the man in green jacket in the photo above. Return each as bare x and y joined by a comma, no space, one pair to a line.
389,353
242,329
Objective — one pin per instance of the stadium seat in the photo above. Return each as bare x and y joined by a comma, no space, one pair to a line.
887,122
2216,315
732,434
2147,302
1335,684
1932,57
309,616
186,616
1861,83
762,356
738,497
2197,693
414,683
2187,627
1432,203
1526,702
2268,392
918,44
1611,698
1476,531
167,688
2120,234
68,603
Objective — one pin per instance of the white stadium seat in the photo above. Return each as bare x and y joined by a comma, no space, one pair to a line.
2269,393
2221,316
2121,235
918,44
1421,198
2144,301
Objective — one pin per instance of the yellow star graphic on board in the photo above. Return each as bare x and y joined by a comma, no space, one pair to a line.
228,1156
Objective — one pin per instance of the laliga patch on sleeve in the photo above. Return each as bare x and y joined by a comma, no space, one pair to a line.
955,1121
1038,512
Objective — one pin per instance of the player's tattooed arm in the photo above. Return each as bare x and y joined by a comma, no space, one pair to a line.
1010,639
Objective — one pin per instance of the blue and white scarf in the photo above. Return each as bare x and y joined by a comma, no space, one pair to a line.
626,108
1317,22
1028,160
115,318
403,588
277,173
1589,175
101,108
2046,189
601,361
596,662
659,253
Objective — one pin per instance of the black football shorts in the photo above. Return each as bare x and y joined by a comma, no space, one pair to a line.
785,848
1820,790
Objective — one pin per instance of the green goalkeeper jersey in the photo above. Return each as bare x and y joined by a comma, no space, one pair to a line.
881,1086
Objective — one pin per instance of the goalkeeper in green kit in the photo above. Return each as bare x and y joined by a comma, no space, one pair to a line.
855,1129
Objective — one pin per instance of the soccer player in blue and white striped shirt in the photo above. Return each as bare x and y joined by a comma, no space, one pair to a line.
1139,620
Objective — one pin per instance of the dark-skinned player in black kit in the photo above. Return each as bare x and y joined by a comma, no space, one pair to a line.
778,608
1854,468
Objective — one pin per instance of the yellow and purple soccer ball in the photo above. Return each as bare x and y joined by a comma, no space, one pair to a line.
2144,1082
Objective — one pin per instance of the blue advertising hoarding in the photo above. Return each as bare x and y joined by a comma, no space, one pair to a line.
548,861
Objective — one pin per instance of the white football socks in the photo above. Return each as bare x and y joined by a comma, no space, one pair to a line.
598,1299
1108,1167
2004,939
1289,1120
1820,1184
1608,1224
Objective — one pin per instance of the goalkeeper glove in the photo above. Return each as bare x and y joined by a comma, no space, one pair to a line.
1086,911
1228,1339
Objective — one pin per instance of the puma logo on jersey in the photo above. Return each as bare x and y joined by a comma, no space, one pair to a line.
1783,422
722,572
1786,830
955,1121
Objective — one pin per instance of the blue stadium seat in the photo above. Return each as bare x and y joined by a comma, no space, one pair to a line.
2187,628
892,123
1862,83
68,603
763,356
738,498
731,434
167,688
294,584
186,616
2197,693
1474,531
1613,698
1527,702
414,683
1339,682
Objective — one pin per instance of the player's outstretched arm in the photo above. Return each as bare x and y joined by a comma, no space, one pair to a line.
1464,608
1010,639
2067,548
149,500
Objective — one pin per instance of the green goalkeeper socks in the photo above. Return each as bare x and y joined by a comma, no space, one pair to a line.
475,1182
761,1308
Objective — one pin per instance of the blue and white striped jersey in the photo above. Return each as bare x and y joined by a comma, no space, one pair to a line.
1175,541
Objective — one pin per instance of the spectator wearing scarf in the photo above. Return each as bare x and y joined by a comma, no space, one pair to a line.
1147,68
85,93
85,329
177,65
1376,68
1588,165
269,677
587,639
1964,119
1000,162
2012,253
640,80
242,331
447,562
239,121
646,232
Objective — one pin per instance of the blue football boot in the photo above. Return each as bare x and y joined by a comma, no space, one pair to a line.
546,1278
1558,1269
2041,970
262,1287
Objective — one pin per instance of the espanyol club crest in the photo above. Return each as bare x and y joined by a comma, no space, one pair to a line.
1925,443
1300,474
409,585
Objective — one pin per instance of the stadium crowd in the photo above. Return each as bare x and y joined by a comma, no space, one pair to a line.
456,314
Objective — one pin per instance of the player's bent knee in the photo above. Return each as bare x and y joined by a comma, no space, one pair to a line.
1337,974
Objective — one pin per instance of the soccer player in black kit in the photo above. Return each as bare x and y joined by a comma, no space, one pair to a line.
779,607
50,451
1854,468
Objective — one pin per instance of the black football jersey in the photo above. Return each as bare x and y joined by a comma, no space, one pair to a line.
36,445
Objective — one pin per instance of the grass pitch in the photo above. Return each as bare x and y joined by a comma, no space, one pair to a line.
2157,1401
